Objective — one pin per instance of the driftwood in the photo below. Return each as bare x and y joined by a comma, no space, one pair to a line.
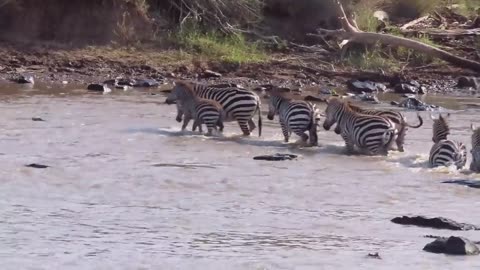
414,22
351,33
445,33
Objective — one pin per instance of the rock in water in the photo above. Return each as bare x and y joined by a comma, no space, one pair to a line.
468,183
464,82
97,87
37,119
404,88
365,86
436,223
37,166
415,104
453,246
24,79
276,157
146,83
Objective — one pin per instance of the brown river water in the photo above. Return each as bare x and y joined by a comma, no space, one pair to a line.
127,190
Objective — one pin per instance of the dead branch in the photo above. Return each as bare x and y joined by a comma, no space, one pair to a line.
353,34
414,22
445,33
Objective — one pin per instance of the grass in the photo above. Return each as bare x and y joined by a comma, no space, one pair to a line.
467,8
214,46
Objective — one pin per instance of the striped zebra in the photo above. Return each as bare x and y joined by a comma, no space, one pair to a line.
396,117
295,116
445,152
475,164
203,111
238,104
371,134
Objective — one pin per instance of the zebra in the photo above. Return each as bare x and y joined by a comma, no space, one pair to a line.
238,104
445,152
475,163
372,134
203,111
396,117
295,116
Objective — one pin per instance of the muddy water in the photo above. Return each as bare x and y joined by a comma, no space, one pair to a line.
127,190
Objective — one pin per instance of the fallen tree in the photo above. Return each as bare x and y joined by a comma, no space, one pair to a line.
352,34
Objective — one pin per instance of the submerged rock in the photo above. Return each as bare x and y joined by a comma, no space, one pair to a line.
468,183
415,104
276,157
453,246
436,223
146,83
98,88
37,119
464,82
25,79
374,256
404,88
37,166
365,86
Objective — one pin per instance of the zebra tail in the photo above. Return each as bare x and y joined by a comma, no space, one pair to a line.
259,121
420,122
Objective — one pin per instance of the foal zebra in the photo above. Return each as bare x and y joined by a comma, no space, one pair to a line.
396,117
372,134
203,111
238,104
475,164
445,152
295,116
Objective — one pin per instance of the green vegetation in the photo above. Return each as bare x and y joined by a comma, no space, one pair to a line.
214,46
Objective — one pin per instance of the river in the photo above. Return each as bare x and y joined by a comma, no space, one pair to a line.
127,190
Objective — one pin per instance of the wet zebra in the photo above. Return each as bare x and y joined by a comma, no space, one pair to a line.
203,111
396,117
238,104
295,116
445,152
475,164
371,134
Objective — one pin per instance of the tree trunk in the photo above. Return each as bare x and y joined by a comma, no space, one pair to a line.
351,33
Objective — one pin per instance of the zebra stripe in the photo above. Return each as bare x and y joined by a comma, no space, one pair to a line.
203,111
238,104
294,116
372,134
475,163
396,117
445,152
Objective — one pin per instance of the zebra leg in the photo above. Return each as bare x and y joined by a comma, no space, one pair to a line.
251,125
186,120
349,145
285,131
400,141
244,127
197,123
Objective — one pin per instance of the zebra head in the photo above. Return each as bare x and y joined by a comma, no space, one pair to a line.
277,97
332,113
180,91
440,128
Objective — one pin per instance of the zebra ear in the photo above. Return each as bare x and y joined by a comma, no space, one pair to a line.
431,117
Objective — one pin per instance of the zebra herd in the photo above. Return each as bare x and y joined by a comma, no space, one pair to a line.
368,132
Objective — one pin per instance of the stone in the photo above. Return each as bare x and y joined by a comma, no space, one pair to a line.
365,86
98,88
452,246
464,82
374,256
467,183
25,79
37,166
210,74
276,157
436,223
37,119
415,104
404,88
313,98
422,90
301,76
145,83
394,103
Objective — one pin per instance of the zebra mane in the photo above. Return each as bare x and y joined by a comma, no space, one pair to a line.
185,85
277,92
353,107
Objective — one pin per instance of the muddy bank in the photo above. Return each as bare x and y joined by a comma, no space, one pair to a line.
83,66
